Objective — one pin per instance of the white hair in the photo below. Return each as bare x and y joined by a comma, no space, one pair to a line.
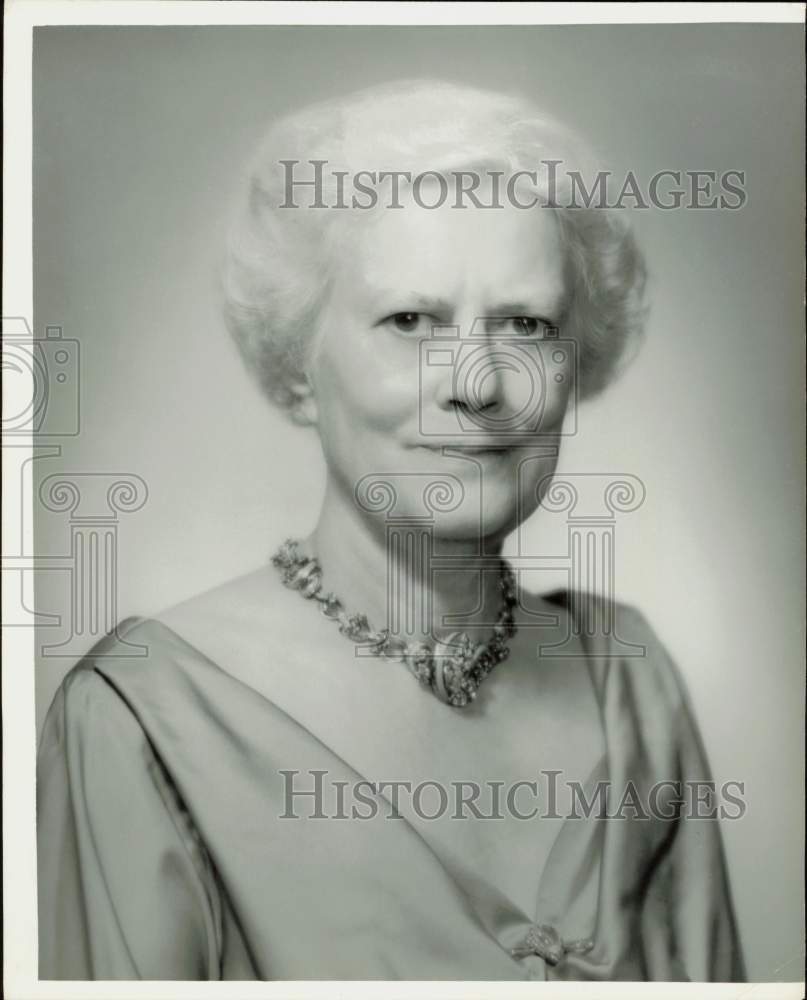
278,263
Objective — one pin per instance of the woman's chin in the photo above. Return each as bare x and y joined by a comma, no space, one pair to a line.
495,520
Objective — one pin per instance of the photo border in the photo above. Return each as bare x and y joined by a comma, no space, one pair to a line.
19,758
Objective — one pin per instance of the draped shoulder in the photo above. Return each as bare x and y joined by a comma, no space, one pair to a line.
126,887
663,841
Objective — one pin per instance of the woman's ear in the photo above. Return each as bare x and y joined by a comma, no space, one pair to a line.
303,408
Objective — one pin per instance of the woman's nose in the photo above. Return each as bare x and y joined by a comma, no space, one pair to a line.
473,381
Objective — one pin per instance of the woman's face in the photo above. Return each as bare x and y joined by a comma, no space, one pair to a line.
436,364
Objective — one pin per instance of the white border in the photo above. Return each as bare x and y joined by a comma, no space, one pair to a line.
19,856
32,12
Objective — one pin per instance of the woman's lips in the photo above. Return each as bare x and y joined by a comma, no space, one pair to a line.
468,449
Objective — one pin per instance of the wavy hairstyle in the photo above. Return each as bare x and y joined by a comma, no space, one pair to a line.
279,260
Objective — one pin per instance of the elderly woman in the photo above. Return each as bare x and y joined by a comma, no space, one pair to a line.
378,756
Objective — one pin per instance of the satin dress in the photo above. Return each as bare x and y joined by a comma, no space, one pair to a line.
162,854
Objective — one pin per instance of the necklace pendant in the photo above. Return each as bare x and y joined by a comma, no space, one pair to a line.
418,658
452,670
455,659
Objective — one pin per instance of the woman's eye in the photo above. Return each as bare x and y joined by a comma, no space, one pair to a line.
405,322
520,326
526,326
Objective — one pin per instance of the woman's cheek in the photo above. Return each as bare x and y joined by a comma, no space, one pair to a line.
386,401
556,403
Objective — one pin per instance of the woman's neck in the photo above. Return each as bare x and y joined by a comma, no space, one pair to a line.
394,579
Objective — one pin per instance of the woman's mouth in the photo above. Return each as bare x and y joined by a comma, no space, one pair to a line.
475,450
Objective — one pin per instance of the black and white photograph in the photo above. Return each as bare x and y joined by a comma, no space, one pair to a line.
403,451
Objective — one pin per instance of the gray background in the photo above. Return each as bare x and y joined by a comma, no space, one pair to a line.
140,135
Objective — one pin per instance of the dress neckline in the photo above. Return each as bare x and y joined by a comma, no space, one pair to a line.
504,920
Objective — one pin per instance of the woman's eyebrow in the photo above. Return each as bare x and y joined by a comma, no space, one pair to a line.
548,307
517,308
411,301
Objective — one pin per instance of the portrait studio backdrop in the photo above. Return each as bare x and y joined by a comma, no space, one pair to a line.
140,137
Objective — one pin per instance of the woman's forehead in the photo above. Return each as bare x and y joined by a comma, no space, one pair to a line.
506,255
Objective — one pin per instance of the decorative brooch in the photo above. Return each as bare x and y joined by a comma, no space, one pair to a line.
453,669
543,940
